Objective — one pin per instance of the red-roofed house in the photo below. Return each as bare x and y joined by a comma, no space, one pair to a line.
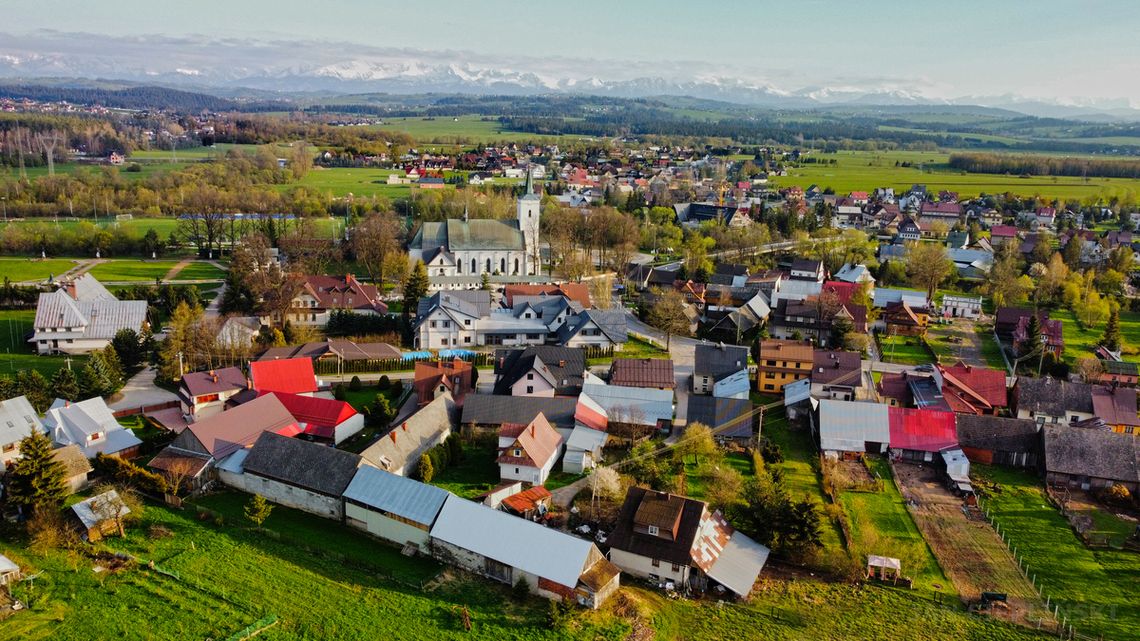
1051,331
442,376
321,295
973,390
532,453
322,417
1002,233
843,291
577,292
290,375
919,435
859,197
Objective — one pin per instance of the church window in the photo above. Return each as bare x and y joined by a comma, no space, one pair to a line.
503,266
516,267
473,267
488,264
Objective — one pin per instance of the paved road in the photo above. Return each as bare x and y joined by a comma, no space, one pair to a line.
140,390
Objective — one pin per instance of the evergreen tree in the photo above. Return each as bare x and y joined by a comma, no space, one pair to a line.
486,282
1072,253
415,287
257,510
128,345
1032,343
37,478
65,385
426,469
33,385
1111,338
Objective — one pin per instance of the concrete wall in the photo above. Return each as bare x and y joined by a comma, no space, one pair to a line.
538,384
287,495
641,566
383,527
468,560
348,428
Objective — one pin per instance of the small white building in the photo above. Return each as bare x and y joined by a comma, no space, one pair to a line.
91,425
961,306
391,507
530,451
18,420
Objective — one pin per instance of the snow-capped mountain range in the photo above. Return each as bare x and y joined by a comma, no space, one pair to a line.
288,68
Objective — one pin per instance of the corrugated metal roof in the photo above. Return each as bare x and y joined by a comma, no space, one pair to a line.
512,541
922,430
845,426
18,420
397,495
293,375
739,564
653,405
86,512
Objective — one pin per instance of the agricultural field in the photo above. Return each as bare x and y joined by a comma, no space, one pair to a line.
17,354
1095,589
29,269
864,170
343,181
880,524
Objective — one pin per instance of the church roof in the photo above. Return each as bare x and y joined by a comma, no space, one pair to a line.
458,234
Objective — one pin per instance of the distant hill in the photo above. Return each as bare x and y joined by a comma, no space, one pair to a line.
120,96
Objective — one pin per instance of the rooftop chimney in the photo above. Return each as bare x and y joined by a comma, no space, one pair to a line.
392,435
404,426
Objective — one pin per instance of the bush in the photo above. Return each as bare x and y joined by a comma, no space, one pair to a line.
521,590
455,448
355,385
339,392
397,388
384,383
129,474
426,471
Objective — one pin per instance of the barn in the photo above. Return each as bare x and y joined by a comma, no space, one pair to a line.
993,440
391,507
850,428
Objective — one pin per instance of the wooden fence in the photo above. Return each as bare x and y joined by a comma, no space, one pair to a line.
143,409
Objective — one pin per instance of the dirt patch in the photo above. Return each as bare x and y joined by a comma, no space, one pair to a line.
969,550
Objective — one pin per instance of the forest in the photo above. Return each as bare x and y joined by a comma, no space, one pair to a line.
1026,165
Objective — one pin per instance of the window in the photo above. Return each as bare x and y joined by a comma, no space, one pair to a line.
676,568
467,340
654,531
9,447
656,563
770,363
530,389
467,322
446,324
517,452
530,376
94,437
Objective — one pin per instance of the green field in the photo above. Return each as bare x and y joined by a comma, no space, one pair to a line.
17,354
128,269
199,271
475,474
865,170
1096,590
137,227
696,483
881,524
799,467
24,269
907,350
1080,342
342,181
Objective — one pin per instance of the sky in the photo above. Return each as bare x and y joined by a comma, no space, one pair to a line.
1046,49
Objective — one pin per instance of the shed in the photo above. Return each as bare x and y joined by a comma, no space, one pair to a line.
9,571
739,564
391,507
853,427
883,567
95,516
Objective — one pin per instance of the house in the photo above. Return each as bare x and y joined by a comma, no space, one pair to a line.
290,375
920,434
1117,408
334,349
678,542
490,412
1091,459
721,370
996,440
961,306
539,370
909,230
805,280
399,451
76,467
894,388
530,451
322,418
656,373
505,548
1001,234
98,516
638,406
848,428
204,394
455,377
576,292
392,507
836,375
530,504
321,296
91,425
1052,336
1119,373
854,273
294,473
807,269
884,296
1048,400
82,316
597,328
1006,320
782,362
18,420
901,319
588,438
731,419
198,449
968,389
971,263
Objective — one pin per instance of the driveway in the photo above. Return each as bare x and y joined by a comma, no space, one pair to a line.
140,390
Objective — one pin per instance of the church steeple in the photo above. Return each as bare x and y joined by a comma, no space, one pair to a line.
529,181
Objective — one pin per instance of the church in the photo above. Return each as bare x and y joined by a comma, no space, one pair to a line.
458,251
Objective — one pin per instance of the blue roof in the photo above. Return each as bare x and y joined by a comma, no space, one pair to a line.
397,495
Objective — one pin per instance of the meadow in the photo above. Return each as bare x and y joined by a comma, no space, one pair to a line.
27,269
865,170
1095,589
18,354
1081,341
344,181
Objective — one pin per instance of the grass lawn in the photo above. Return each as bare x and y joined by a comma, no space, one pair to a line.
132,270
1095,589
342,181
1080,342
991,351
696,482
799,467
880,524
907,350
200,271
475,474
25,269
16,354
633,348
559,479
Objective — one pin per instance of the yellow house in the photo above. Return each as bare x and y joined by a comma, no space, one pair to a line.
782,362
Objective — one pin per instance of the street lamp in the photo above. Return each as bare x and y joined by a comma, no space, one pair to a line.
4,200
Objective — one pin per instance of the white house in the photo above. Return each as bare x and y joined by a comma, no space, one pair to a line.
18,420
82,316
391,507
961,306
91,425
854,273
530,451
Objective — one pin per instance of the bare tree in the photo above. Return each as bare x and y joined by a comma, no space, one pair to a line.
177,473
1090,369
374,239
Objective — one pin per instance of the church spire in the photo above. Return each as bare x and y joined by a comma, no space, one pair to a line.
529,181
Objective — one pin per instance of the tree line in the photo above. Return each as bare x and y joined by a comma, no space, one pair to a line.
1032,165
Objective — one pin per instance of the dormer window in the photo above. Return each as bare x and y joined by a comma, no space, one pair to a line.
91,438
517,452
654,530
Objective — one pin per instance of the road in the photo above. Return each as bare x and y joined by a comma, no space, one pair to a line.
140,390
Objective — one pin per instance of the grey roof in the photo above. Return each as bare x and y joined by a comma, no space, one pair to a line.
884,296
317,468
997,433
475,303
518,543
739,564
75,422
458,234
647,405
7,565
397,495
85,510
1053,397
718,361
100,318
730,415
18,420
845,426
612,322
561,366
485,409
1096,453
395,450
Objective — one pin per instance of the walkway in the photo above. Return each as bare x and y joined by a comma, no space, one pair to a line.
565,494
140,390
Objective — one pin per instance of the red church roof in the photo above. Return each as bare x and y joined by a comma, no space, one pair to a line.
320,415
290,375
922,430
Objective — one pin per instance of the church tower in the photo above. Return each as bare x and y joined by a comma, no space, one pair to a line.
529,216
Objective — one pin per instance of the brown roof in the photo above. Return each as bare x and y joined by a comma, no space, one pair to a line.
600,574
577,292
1115,406
336,292
168,460
843,368
643,372
527,499
662,511
73,459
214,381
773,349
232,430
539,441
